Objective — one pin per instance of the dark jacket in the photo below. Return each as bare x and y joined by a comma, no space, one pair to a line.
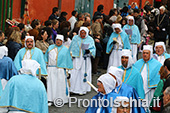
162,25
52,16
13,48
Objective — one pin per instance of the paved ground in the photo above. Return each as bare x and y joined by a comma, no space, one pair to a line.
74,107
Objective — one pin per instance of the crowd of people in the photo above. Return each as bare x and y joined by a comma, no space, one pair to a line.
64,55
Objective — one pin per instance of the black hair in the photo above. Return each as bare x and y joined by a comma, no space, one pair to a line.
21,26
48,23
64,32
63,14
55,9
136,11
74,12
34,23
100,7
167,63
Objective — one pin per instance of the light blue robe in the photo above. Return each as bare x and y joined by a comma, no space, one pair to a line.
134,79
63,59
75,47
128,91
153,76
25,92
135,38
36,54
166,55
125,40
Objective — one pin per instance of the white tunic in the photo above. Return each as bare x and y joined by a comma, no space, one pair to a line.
56,81
115,56
161,59
134,52
148,91
77,75
27,54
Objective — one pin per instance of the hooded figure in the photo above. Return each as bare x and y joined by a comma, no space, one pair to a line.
58,59
131,75
160,54
117,41
106,84
7,68
25,92
149,69
123,89
134,36
82,46
30,52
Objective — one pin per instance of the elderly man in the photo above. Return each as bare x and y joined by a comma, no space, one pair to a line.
117,41
161,24
149,69
7,68
58,59
82,48
25,92
123,101
131,75
134,36
30,52
124,89
160,54
106,84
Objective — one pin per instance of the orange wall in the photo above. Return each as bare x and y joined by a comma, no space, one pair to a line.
68,6
42,9
143,2
108,4
16,8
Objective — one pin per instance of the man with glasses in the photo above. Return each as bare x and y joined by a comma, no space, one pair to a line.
30,52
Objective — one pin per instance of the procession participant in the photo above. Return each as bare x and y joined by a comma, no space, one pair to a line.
131,75
82,48
134,36
149,69
160,54
58,60
25,93
117,41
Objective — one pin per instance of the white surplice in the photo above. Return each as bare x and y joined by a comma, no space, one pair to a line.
134,52
148,91
78,86
57,80
115,56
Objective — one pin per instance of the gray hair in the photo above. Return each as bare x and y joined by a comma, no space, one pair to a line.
167,90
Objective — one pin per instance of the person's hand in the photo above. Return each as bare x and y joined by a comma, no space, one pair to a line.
98,36
74,33
97,40
158,28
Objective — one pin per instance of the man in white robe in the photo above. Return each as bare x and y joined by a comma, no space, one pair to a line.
82,48
160,54
149,69
58,60
117,41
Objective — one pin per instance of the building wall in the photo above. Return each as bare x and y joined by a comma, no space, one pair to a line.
108,4
42,9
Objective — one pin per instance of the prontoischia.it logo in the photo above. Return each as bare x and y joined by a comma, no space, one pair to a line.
58,102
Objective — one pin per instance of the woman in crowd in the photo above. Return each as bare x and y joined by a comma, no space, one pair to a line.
41,43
